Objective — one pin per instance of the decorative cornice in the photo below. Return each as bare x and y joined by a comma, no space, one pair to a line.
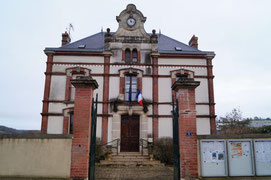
155,54
107,53
84,81
181,84
49,52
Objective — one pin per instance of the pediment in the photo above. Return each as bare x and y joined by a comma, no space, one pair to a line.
132,31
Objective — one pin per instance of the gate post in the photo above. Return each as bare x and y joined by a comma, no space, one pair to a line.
84,88
185,94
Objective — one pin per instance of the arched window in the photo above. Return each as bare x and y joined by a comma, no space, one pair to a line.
134,55
127,55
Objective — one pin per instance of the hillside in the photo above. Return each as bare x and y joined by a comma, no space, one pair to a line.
7,130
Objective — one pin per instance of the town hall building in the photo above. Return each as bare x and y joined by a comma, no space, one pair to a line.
123,64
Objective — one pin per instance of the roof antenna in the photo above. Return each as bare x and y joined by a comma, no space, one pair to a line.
69,29
102,29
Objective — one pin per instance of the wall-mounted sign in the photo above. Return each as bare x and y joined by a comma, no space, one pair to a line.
188,133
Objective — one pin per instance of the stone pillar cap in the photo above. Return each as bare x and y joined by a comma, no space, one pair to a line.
85,82
184,84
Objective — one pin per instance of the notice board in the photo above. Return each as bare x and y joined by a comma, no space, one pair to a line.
240,158
213,158
262,150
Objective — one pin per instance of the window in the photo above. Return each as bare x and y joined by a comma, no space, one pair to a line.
71,123
130,83
127,55
134,55
181,77
130,88
131,56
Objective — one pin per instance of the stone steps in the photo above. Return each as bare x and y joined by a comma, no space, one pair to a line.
129,159
130,163
133,173
132,166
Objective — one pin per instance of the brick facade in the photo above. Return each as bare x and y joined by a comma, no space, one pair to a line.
155,96
45,107
105,97
211,94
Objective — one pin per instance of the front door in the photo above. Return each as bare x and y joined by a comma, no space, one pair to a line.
129,133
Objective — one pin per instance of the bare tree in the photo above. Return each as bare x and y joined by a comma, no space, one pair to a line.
233,123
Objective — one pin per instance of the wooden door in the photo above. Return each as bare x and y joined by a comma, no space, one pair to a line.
129,133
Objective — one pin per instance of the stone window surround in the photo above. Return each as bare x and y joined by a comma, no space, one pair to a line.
130,110
131,49
177,73
131,80
71,73
66,119
129,71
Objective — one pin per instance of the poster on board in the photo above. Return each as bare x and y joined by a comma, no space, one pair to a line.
214,152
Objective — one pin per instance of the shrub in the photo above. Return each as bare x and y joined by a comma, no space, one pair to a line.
99,154
163,150
264,129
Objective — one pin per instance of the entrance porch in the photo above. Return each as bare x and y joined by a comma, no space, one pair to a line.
130,126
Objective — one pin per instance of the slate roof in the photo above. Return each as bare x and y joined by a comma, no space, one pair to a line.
95,43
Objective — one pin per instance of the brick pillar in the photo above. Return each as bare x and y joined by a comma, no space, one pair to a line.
84,87
211,94
105,96
185,93
45,106
155,95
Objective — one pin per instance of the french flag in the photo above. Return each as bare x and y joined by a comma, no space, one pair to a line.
139,98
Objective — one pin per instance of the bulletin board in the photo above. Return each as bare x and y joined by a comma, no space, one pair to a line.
240,158
213,158
262,149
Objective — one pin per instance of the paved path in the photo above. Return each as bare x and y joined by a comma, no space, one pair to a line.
133,173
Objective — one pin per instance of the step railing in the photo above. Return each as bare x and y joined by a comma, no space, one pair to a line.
112,145
145,145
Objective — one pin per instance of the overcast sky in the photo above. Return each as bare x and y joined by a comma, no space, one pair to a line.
237,30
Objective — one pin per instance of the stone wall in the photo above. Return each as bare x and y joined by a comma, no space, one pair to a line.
35,156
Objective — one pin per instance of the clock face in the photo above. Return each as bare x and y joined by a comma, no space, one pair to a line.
131,21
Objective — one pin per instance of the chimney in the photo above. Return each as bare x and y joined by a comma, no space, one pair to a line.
65,38
193,42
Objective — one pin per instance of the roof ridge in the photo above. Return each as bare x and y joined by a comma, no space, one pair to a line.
95,43
81,39
180,42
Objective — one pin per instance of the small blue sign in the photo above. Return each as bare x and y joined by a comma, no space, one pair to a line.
188,133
